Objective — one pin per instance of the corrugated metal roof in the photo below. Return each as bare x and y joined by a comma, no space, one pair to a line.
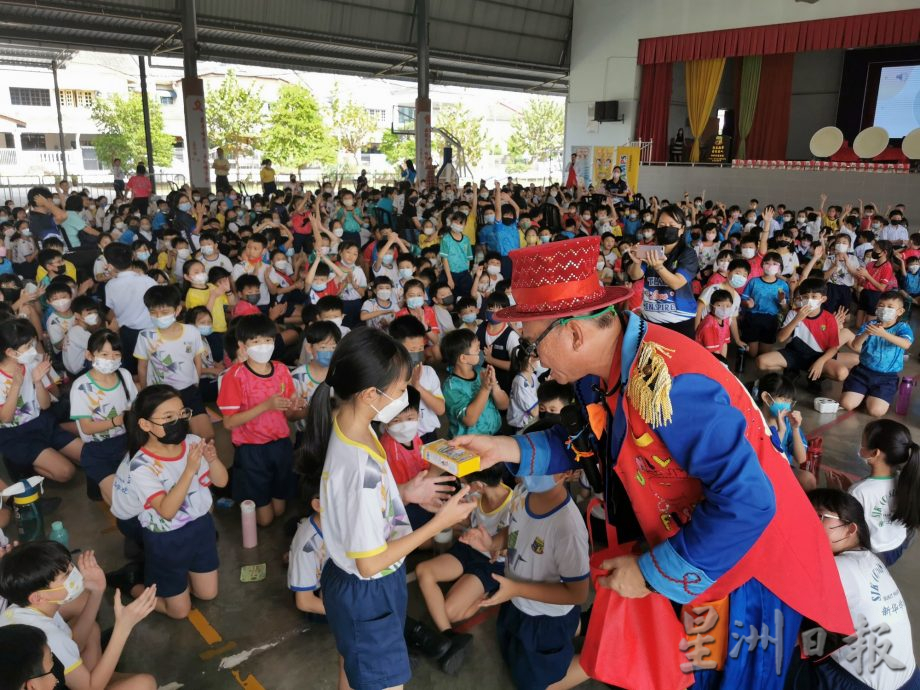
508,44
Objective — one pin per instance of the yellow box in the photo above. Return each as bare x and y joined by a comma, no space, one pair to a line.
456,461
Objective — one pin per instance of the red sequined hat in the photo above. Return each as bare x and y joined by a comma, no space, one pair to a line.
558,279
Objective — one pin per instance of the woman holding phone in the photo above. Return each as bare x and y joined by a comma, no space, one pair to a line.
667,270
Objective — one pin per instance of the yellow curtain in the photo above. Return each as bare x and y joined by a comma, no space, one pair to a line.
703,78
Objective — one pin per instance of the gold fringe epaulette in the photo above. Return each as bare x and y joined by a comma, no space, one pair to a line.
649,388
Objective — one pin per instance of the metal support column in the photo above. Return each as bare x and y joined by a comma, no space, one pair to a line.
196,131
147,138
423,163
57,103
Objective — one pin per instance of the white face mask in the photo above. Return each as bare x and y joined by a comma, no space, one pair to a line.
813,303
771,269
722,265
392,408
184,253
30,356
723,312
106,366
383,295
841,248
748,252
493,270
73,585
61,304
600,264
207,249
261,353
282,266
91,319
199,279
404,432
886,314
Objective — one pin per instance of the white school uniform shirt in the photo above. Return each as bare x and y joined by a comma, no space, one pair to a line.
841,276
152,476
894,233
57,327
221,260
348,292
391,272
877,497
383,320
27,407
445,322
307,557
89,400
545,548
170,360
493,522
99,265
258,270
124,295
362,509
73,351
873,595
126,503
523,400
706,297
427,420
60,637
790,263
861,252
514,339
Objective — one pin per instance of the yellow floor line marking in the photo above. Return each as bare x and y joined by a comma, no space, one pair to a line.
217,651
207,632
249,683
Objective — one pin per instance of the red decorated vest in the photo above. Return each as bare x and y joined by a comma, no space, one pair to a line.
791,558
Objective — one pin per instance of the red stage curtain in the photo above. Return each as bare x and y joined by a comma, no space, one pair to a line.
770,131
654,103
859,31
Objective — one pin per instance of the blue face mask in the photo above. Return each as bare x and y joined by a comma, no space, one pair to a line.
482,359
185,207
777,407
468,318
538,484
415,302
323,357
163,322
206,330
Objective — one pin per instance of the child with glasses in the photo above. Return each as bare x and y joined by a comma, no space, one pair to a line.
171,474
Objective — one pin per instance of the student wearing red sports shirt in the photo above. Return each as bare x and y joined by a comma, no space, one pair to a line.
877,278
257,398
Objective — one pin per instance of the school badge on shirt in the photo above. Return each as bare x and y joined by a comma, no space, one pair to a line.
537,546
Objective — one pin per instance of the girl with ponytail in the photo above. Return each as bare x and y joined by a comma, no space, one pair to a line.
365,527
890,495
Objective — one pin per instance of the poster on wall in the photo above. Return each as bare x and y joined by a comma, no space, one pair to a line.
628,160
603,163
582,166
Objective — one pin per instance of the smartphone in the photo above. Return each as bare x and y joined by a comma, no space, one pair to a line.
644,250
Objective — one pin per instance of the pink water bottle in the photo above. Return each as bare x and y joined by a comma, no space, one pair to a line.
904,391
250,530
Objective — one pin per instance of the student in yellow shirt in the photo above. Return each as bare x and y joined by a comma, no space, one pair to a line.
69,269
212,291
267,175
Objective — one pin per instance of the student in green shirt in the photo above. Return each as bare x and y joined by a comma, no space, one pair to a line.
471,392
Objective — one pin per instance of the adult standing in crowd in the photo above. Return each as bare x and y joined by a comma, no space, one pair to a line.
686,466
221,172
140,187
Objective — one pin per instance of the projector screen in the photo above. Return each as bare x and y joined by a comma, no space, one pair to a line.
897,107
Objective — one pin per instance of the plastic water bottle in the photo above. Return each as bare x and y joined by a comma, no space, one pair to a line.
27,509
814,454
250,530
904,390
59,534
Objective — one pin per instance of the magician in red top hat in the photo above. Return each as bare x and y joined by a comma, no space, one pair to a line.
703,511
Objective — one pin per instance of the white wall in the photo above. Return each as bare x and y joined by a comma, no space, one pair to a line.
605,43
793,188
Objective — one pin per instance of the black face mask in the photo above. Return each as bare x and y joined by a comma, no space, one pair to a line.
448,300
667,235
174,432
551,417
10,295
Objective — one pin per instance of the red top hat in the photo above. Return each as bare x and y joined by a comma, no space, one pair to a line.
558,279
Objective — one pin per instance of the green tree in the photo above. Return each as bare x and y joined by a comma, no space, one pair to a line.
352,124
538,131
397,148
120,122
456,120
234,115
296,135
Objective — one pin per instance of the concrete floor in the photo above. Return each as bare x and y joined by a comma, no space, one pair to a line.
253,637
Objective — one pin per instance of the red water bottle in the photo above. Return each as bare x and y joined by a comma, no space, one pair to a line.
813,455
904,390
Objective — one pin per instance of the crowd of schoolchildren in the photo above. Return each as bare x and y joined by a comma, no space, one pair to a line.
334,332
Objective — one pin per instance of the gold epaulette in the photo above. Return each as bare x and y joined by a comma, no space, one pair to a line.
649,387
